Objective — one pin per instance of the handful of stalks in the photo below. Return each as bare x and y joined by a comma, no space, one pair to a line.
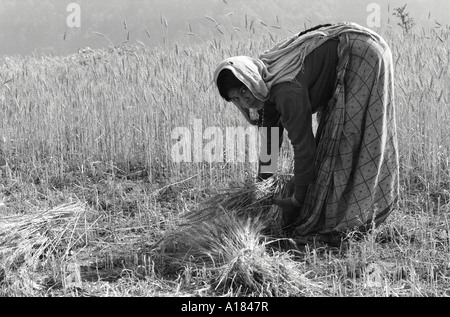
233,236
242,200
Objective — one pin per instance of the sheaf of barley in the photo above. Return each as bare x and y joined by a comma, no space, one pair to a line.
231,234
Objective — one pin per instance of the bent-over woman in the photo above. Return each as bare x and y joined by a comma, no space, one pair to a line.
346,175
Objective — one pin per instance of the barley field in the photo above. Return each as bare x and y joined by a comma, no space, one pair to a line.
92,203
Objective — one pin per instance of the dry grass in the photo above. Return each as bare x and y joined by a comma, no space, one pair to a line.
37,242
95,130
230,236
237,258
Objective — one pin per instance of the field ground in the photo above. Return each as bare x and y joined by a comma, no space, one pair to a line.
120,219
88,187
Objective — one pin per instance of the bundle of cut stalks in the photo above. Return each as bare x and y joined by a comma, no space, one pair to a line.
244,199
230,235
28,240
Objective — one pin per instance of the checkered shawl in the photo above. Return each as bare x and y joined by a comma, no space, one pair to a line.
357,156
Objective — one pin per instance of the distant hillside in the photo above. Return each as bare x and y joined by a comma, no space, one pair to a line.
40,26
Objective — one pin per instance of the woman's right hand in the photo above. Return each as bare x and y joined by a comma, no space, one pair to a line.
290,211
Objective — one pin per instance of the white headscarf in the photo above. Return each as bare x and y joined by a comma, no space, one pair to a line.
250,72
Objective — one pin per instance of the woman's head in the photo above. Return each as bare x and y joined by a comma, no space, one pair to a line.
226,81
240,80
233,90
243,70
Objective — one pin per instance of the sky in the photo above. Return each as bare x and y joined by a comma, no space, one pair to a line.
61,27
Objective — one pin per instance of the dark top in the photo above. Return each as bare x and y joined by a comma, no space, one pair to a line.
291,105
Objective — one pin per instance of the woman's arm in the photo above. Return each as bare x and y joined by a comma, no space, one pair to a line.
292,102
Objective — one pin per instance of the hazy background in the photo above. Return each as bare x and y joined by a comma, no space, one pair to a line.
39,26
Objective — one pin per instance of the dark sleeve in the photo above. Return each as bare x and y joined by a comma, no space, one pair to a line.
319,74
292,102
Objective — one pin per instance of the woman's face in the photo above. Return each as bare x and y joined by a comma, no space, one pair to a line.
243,97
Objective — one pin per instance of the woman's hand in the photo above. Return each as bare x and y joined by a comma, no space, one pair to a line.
291,210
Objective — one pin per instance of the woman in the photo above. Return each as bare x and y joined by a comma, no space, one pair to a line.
346,176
